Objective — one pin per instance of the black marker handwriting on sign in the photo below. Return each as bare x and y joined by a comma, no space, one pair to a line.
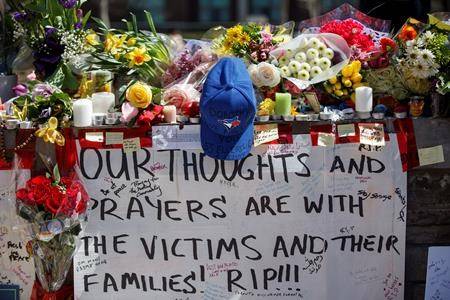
144,187
392,287
313,265
401,215
366,195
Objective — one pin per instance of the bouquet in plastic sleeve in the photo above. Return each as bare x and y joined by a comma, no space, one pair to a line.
191,65
54,206
306,60
252,42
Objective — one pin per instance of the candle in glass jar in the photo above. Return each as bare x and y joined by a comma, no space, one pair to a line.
103,102
82,113
282,104
101,80
170,113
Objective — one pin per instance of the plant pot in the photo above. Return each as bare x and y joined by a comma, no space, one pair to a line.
7,83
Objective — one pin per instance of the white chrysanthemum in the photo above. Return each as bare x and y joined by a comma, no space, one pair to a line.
328,53
285,71
303,43
314,43
422,70
289,53
426,57
321,47
300,57
305,66
315,71
312,53
314,62
303,75
294,66
324,63
283,61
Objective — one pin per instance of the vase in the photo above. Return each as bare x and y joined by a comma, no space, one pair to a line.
7,82
52,254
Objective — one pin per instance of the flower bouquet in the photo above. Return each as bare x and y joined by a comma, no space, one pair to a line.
131,52
55,208
252,42
137,105
191,65
54,30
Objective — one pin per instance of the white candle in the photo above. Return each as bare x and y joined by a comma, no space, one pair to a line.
364,100
170,113
82,113
102,102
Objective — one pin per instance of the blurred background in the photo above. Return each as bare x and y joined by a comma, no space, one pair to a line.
192,17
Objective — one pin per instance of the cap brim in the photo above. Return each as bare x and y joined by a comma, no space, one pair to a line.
231,147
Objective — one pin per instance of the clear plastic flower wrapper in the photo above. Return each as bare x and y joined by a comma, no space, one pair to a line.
308,59
54,205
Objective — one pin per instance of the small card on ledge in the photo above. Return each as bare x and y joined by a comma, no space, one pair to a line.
131,145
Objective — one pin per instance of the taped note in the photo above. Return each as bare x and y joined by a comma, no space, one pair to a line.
345,130
131,145
371,134
325,139
265,134
173,137
432,155
114,138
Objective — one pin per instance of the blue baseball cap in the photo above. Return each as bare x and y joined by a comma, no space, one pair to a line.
228,108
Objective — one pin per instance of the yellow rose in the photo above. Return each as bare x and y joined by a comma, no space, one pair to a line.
139,95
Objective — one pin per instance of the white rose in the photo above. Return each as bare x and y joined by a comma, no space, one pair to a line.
268,74
253,72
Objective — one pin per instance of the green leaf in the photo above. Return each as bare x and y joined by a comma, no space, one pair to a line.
86,18
56,175
150,22
134,22
70,81
57,78
101,25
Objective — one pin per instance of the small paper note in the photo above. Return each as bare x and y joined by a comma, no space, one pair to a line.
325,139
346,130
173,137
94,136
438,273
131,145
372,134
265,133
432,155
114,138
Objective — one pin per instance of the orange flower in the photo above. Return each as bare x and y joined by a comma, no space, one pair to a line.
407,33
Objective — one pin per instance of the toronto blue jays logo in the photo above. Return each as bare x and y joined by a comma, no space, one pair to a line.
231,123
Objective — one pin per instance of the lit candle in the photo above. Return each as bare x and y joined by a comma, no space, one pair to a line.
82,113
282,104
102,102
363,101
170,113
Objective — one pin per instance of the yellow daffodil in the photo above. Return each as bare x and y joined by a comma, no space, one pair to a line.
131,42
138,56
92,39
50,133
114,43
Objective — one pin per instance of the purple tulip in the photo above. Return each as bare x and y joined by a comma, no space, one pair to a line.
20,90
68,3
79,13
78,25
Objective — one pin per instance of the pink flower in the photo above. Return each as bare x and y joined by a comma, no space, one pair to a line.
128,112
266,37
179,94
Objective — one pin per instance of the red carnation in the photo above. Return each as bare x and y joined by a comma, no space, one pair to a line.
151,116
388,45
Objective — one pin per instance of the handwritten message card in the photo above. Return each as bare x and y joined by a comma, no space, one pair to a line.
438,274
265,133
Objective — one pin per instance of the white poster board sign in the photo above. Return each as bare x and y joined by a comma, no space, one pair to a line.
290,222
438,274
16,266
